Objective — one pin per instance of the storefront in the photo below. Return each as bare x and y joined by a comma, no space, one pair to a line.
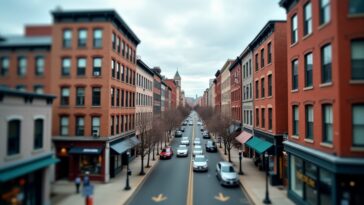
319,178
25,183
243,137
262,142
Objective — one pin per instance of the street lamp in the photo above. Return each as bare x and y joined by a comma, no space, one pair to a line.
266,199
240,158
128,172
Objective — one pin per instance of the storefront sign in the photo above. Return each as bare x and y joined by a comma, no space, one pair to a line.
306,179
91,150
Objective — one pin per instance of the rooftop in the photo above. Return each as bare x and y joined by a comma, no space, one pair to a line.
23,41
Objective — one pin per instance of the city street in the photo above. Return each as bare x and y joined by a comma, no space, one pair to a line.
174,182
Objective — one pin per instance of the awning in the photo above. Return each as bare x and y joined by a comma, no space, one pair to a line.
85,150
243,137
124,145
259,145
26,168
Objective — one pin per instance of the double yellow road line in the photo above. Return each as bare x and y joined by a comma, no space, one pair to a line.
189,200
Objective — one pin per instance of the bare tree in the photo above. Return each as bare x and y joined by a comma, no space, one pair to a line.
143,127
226,134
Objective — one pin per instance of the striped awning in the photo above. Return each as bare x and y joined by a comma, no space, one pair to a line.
243,137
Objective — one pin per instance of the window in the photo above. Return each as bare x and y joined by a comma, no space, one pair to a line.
117,125
113,68
39,66
308,19
97,38
327,121
308,70
310,191
97,63
67,38
326,64
356,7
81,66
112,95
358,125
122,73
295,118
64,122
112,125
263,117
80,126
269,53
294,29
22,66
4,69
256,89
262,58
21,87
118,44
82,38
295,74
96,96
65,96
357,59
80,96
257,117
296,168
118,97
14,131
122,123
118,71
39,89
251,117
326,180
126,99
324,11
38,133
256,62
95,126
270,118
263,89
66,66
123,48
270,88
309,122
113,41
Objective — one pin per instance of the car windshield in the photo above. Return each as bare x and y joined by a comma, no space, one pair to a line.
227,169
197,149
211,143
182,148
200,159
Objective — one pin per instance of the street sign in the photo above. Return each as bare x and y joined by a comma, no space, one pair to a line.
88,190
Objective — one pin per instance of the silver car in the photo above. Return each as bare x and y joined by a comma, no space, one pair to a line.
185,141
199,163
226,174
197,142
197,151
182,151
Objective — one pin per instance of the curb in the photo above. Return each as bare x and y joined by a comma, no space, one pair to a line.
138,187
248,194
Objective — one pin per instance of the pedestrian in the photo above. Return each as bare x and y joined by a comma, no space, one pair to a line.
78,183
86,179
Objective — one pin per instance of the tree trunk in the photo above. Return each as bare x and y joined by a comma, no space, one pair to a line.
153,152
229,155
142,163
148,158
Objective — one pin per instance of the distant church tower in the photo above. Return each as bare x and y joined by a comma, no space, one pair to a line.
177,78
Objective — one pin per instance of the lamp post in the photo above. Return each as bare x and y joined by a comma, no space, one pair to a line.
266,199
240,158
128,172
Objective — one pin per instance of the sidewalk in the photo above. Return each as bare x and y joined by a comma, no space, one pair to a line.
113,193
253,180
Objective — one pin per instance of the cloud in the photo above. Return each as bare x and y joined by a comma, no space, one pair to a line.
197,37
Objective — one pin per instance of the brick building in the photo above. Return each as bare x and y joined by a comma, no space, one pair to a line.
225,89
218,92
173,86
236,91
157,92
325,101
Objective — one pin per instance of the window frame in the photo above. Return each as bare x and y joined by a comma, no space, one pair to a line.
326,68
294,29
309,134
13,138
308,70
355,72
307,19
354,124
38,134
325,137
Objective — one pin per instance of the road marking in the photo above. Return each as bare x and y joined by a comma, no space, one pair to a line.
159,198
222,198
189,200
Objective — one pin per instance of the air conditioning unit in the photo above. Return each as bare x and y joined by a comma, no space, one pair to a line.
96,73
95,133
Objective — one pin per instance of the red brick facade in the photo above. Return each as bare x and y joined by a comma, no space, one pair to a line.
236,91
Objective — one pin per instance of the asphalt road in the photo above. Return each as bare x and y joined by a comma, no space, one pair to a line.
173,182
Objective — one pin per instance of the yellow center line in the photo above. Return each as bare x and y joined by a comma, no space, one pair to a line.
190,179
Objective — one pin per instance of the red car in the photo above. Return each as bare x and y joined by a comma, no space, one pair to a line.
166,153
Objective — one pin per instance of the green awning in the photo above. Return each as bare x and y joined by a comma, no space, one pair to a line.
25,168
259,145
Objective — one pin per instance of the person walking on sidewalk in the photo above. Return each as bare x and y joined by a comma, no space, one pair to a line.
78,183
86,179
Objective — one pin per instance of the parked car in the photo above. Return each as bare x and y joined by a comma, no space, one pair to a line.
178,133
226,174
166,153
210,146
185,141
199,163
184,123
182,151
206,135
182,129
190,123
197,150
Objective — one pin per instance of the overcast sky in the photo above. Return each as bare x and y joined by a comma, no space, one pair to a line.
195,36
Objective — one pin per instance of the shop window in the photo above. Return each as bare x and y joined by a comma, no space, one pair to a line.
97,41
90,163
82,38
327,122
39,66
358,125
325,187
325,11
310,183
81,66
80,126
356,7
38,133
4,69
294,29
357,59
67,38
295,120
14,131
22,66
326,60
308,18
64,122
308,70
296,172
